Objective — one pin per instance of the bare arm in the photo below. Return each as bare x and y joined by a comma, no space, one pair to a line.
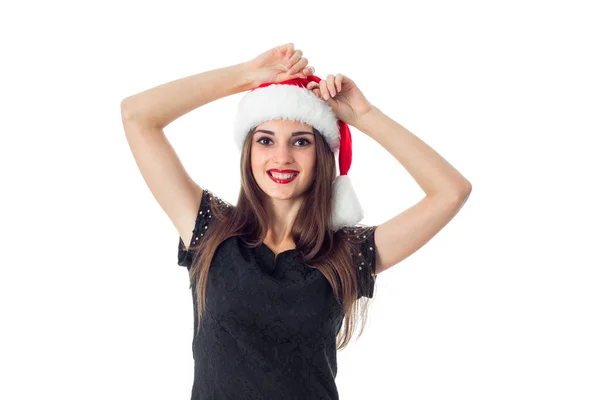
436,176
144,116
163,104
445,188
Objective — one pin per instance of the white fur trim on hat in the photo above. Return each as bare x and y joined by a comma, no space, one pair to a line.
286,102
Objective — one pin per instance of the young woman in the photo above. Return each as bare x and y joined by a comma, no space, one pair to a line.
275,277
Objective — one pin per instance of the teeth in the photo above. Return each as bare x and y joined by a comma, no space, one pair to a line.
282,176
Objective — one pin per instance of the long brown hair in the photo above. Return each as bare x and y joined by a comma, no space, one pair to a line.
318,246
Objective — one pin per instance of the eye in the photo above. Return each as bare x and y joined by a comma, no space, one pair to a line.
307,142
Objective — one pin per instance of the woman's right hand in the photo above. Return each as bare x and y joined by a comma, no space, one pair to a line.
278,64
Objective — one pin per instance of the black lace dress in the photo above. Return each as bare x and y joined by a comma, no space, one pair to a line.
270,324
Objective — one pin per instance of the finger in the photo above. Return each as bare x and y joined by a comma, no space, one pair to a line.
308,71
294,58
314,87
287,48
331,85
323,88
299,65
338,82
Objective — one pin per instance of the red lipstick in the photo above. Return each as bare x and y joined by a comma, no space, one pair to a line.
282,171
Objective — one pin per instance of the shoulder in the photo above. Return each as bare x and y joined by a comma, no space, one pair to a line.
357,232
215,200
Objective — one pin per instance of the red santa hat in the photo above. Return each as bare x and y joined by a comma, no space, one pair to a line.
291,100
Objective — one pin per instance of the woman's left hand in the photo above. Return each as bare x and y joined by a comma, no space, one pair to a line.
344,97
278,64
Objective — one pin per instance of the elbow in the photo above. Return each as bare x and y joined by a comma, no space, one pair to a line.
126,109
462,192
467,189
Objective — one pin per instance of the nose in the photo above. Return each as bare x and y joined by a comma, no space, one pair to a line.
283,154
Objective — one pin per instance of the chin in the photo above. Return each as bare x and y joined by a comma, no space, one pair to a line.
281,193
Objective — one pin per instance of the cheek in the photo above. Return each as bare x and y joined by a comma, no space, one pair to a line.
257,160
311,162
257,157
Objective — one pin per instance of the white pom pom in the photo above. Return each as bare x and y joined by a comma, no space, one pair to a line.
346,209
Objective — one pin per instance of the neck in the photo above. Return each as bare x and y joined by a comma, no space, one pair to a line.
282,214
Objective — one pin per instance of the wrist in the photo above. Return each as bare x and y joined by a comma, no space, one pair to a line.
247,77
363,120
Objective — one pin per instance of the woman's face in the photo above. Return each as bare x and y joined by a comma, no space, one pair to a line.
283,145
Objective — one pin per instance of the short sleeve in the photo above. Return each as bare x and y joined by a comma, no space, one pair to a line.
201,228
365,261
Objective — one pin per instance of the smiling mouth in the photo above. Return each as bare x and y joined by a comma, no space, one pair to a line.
287,178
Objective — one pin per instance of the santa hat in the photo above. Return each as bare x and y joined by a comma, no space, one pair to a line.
291,100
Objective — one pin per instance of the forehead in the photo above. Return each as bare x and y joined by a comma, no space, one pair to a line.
284,126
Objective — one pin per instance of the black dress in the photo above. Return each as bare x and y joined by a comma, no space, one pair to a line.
270,324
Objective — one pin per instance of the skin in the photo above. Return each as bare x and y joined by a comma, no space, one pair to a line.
283,151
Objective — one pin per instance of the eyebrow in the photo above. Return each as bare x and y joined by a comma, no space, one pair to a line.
293,133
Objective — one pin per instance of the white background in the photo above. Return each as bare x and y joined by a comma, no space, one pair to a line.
502,304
